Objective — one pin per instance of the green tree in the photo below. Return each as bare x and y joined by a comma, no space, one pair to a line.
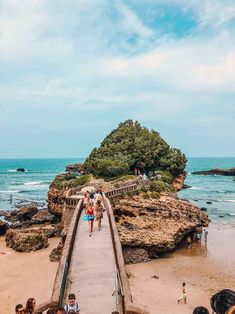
132,145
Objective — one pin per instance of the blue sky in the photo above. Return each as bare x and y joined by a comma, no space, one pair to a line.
70,71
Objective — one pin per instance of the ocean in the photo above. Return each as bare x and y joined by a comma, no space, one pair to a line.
218,190
33,184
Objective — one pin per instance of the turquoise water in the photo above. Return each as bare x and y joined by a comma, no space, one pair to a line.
220,190
33,184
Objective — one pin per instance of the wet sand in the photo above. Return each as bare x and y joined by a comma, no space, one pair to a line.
204,268
25,275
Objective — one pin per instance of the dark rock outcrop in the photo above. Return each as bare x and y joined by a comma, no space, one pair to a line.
26,212
20,170
43,216
56,199
3,227
149,227
75,168
217,171
56,253
26,241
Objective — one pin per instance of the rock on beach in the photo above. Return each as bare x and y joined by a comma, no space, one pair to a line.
25,241
149,227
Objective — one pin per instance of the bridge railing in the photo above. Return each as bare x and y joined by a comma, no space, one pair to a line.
58,291
124,300
122,190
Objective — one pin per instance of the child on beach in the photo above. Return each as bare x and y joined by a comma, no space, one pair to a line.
183,296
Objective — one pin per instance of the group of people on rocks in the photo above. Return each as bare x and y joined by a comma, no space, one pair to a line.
223,302
93,205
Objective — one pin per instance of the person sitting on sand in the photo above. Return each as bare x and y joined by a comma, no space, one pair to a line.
183,296
200,310
30,306
72,305
19,309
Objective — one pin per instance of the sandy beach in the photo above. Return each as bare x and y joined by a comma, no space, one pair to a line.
205,269
25,275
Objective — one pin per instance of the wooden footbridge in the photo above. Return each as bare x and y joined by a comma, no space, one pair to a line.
93,267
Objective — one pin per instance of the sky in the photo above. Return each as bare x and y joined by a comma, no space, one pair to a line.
71,71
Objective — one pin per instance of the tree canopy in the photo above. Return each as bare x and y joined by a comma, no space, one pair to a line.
131,145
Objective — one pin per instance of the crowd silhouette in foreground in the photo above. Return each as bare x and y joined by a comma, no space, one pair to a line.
222,302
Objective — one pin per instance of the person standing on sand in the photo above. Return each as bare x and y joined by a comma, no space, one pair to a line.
189,242
183,296
98,213
205,235
90,217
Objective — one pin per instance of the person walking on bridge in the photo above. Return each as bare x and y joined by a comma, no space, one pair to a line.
90,217
98,213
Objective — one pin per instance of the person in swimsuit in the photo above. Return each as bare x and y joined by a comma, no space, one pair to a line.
86,200
98,213
183,294
91,217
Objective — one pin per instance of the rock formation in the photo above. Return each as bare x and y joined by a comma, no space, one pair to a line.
56,199
149,227
178,182
26,241
26,212
217,171
56,253
75,168
20,170
3,227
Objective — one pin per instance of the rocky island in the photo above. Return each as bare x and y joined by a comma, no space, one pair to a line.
152,220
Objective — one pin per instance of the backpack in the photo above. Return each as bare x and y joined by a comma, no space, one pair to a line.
76,308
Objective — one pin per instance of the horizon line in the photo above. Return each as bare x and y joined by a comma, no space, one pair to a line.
17,158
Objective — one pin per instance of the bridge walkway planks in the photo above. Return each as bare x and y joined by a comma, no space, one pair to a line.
92,271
